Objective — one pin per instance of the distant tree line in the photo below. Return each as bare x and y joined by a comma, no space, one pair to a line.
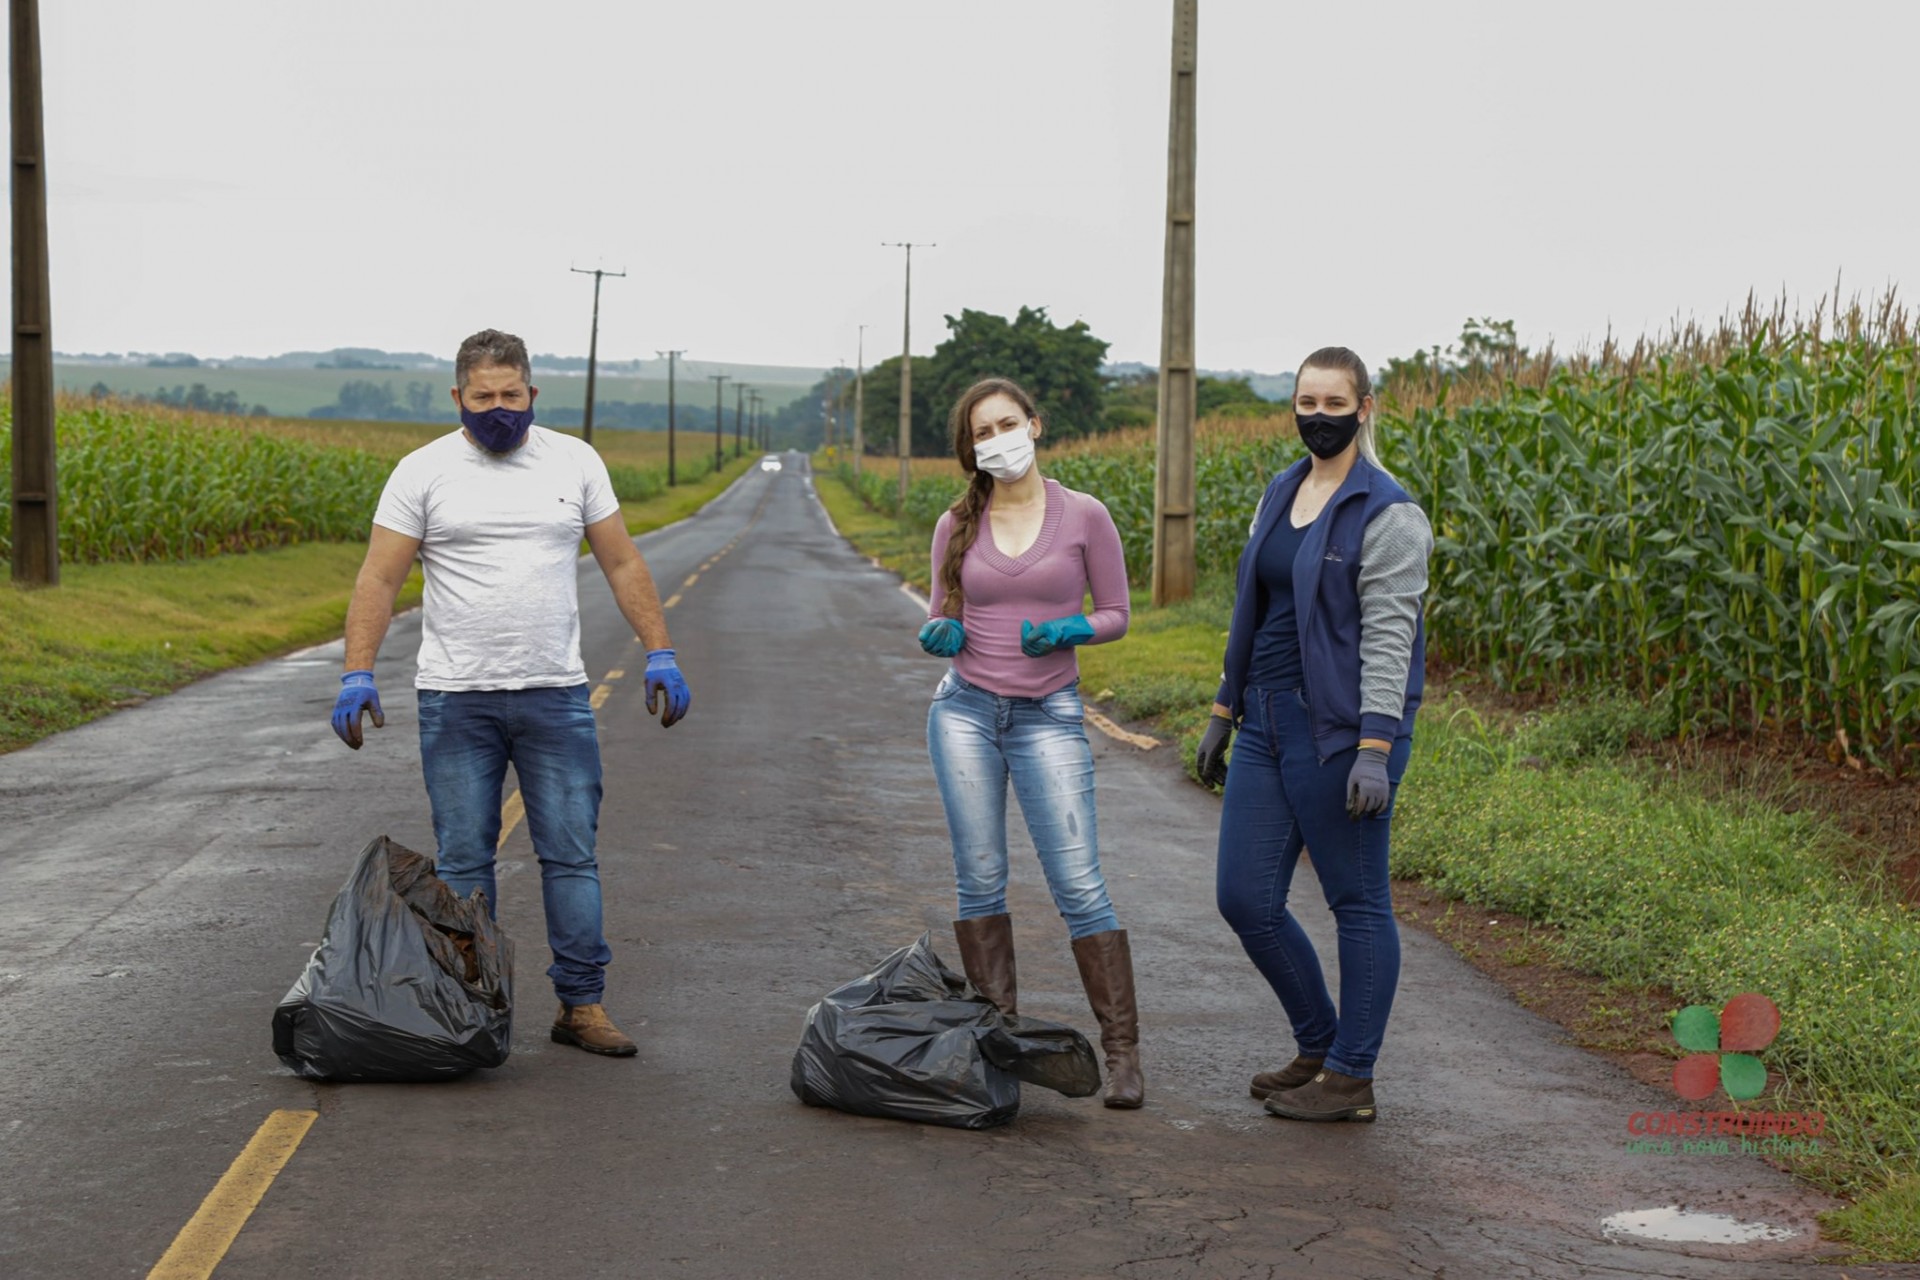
1059,365
195,397
366,401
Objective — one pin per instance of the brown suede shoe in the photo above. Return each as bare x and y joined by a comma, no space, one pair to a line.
587,1026
1291,1076
1328,1096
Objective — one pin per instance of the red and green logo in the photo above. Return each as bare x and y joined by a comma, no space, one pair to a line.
1723,1043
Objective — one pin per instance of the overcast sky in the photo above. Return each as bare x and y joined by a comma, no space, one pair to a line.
253,176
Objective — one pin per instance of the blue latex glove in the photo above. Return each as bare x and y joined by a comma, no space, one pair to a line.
357,697
943,637
666,687
1367,787
1061,633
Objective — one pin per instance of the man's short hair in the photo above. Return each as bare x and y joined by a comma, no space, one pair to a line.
491,346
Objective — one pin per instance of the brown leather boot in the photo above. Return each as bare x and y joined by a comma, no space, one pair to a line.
588,1027
1291,1076
1328,1096
986,953
1106,971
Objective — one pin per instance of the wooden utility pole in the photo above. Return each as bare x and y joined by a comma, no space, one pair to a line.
859,399
906,373
1173,490
36,527
740,390
673,477
593,346
719,420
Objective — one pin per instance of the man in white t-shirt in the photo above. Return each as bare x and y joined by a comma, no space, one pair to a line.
495,512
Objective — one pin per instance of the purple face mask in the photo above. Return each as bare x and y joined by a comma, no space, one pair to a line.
498,430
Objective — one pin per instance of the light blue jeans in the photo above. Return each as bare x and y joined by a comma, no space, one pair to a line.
466,742
980,740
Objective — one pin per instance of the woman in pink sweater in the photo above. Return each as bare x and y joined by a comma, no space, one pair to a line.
1013,561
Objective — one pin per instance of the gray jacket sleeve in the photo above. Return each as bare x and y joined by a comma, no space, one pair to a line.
1393,578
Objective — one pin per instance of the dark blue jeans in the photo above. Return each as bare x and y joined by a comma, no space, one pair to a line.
1280,798
467,740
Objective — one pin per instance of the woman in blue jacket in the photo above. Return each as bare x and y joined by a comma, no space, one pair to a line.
1323,673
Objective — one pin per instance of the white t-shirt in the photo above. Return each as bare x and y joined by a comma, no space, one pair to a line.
499,543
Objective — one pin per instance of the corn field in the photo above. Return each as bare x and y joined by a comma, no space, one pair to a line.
1729,521
146,483
135,484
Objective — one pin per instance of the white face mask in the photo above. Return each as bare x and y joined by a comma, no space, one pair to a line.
1007,456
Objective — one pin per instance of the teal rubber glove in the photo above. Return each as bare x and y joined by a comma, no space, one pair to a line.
943,637
1061,633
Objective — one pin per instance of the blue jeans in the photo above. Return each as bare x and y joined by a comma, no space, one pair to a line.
1280,797
978,740
467,740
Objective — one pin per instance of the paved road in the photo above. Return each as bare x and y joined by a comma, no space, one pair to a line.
167,871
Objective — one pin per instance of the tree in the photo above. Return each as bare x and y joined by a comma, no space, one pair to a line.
1060,367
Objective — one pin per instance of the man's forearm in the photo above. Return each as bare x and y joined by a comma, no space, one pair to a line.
639,602
368,616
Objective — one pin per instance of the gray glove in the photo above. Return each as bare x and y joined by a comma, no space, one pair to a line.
1367,789
1211,760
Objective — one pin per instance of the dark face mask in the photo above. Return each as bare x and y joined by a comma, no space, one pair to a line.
498,430
1327,435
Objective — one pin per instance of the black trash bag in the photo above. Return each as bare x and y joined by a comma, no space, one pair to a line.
912,1041
409,982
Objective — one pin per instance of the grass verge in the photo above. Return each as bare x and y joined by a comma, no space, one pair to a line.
114,635
1641,878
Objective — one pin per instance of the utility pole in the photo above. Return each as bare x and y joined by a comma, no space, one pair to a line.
859,399
1173,489
740,390
762,431
672,471
36,526
593,345
719,420
906,373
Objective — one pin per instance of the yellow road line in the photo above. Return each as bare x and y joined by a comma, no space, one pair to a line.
596,699
615,674
510,814
672,600
691,579
204,1241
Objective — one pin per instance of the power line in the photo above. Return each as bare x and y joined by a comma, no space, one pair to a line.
719,420
906,369
593,345
36,526
1173,486
672,470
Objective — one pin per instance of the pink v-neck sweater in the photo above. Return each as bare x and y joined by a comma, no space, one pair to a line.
1078,551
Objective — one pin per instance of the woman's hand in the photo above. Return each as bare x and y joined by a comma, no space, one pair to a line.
1061,633
943,637
1211,762
1367,788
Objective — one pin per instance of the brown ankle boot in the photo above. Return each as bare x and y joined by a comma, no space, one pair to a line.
986,953
588,1027
1291,1076
1106,971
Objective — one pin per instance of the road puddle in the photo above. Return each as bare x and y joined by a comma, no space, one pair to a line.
1690,1226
